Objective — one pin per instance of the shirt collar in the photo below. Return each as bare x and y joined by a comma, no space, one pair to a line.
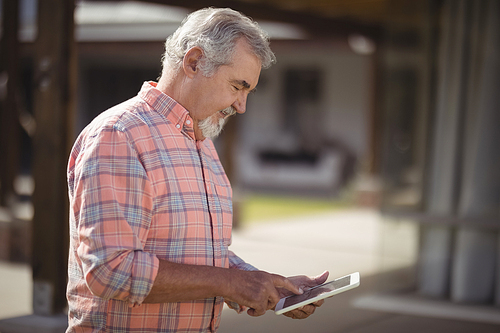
175,113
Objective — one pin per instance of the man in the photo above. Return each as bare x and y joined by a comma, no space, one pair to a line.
151,212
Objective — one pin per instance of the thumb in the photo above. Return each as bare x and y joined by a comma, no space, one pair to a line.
321,278
314,281
283,282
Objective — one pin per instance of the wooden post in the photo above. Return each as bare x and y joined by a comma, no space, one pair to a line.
228,146
55,89
9,120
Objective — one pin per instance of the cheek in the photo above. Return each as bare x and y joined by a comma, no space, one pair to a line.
222,99
211,101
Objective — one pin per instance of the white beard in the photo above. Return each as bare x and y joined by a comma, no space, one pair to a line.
212,126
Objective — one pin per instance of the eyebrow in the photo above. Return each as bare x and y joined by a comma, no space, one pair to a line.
244,84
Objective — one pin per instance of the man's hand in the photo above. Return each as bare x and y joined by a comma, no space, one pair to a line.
258,290
253,289
304,282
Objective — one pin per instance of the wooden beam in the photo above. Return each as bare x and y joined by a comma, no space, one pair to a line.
9,86
316,25
55,88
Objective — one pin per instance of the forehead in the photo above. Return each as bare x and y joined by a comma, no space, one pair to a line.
245,65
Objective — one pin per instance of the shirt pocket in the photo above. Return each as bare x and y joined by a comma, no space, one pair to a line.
223,199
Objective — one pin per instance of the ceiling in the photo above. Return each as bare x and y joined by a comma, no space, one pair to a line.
319,17
322,17
372,11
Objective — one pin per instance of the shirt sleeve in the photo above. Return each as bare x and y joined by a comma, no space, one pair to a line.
238,263
113,207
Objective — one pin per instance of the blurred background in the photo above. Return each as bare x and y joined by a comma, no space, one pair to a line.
373,145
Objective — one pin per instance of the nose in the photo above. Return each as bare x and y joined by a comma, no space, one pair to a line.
241,102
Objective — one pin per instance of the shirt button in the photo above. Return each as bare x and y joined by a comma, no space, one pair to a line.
188,122
178,126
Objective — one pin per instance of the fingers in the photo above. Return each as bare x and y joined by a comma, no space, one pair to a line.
319,303
273,295
274,298
307,310
261,291
255,313
271,303
257,290
303,312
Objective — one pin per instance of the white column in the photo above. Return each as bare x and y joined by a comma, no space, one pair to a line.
435,256
473,274
435,260
473,278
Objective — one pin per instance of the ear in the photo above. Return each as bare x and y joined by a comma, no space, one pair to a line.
191,61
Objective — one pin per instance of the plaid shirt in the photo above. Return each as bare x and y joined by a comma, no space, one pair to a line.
141,188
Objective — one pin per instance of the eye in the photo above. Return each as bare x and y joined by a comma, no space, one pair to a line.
236,88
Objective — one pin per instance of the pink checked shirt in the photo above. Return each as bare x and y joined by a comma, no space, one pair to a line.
141,188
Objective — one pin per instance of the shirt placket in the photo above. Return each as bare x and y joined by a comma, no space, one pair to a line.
215,233
212,209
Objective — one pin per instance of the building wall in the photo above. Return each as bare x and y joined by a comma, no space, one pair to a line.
338,117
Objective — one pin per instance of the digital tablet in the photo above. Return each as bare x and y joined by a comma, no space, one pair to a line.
314,294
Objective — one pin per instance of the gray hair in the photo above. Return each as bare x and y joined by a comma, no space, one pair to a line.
215,31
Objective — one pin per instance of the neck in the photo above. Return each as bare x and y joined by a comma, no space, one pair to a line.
173,83
169,84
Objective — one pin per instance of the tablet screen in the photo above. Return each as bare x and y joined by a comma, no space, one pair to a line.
326,288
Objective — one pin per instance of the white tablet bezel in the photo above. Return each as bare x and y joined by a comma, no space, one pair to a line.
354,282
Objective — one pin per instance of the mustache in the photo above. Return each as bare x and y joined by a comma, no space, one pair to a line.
228,112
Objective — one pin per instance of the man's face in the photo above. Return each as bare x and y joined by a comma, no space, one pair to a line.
225,93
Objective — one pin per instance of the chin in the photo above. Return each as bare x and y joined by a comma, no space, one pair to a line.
210,127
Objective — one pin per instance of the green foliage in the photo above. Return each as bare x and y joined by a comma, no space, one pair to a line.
258,208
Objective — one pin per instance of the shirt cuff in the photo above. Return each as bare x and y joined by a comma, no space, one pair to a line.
236,307
238,263
144,273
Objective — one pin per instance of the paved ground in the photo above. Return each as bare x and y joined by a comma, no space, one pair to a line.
341,242
15,290
344,242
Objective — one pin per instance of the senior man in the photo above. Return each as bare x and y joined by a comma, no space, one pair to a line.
151,211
